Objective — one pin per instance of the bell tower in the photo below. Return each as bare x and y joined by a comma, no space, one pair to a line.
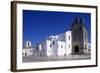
28,44
79,36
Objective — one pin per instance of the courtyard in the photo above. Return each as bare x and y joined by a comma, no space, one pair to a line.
58,58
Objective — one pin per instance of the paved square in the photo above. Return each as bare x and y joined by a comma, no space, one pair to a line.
61,58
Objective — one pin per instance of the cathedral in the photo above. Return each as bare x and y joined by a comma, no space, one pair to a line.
79,37
74,41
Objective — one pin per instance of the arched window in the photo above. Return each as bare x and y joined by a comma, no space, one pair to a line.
50,45
69,37
53,42
61,46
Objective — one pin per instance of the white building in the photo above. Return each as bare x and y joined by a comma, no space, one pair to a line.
58,45
28,50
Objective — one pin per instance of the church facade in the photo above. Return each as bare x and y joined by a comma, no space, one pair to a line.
79,37
74,41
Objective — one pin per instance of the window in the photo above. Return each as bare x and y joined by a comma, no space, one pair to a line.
23,53
50,45
61,46
28,44
69,37
53,42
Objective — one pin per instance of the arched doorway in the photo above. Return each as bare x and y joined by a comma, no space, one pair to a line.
76,49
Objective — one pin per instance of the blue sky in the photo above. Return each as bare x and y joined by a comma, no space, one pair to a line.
37,25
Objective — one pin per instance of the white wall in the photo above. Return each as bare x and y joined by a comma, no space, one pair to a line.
68,42
61,48
5,38
49,50
43,48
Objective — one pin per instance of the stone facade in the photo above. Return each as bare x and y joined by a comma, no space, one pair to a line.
79,37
